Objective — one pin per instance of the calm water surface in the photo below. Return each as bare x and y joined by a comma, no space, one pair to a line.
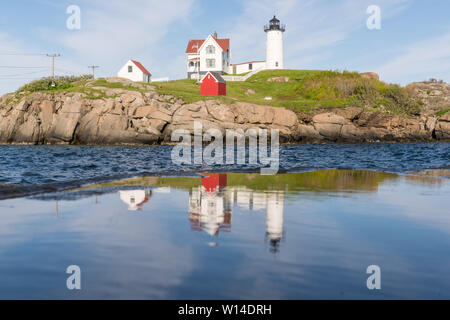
244,236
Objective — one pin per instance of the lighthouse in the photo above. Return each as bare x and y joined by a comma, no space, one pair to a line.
274,48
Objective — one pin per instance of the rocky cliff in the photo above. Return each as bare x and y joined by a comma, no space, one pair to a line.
118,116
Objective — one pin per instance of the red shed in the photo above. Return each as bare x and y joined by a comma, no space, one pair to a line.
212,84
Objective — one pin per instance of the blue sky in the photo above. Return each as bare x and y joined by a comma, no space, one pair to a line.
412,45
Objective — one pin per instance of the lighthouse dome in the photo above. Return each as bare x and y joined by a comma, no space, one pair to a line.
274,24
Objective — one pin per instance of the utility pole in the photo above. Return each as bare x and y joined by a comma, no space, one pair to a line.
93,70
53,56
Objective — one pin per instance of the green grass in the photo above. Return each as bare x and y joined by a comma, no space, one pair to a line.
442,112
83,84
187,89
307,90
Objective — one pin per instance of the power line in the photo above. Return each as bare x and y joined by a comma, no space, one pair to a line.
20,74
18,67
22,54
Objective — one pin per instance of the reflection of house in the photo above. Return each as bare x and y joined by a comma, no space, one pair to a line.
135,198
210,206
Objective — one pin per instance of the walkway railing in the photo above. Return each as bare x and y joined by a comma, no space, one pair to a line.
242,78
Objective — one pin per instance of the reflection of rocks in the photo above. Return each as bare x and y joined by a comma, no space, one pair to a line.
135,199
434,173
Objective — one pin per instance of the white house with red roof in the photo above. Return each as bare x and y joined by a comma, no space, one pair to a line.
135,71
212,54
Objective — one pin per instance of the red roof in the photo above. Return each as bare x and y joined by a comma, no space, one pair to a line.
194,45
140,66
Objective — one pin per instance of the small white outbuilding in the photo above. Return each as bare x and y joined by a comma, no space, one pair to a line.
135,71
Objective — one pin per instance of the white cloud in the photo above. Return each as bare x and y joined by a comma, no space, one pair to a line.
419,61
114,31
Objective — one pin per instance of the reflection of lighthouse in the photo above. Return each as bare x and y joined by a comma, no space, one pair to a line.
135,198
275,219
210,205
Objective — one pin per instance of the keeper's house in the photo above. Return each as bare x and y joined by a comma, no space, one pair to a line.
135,71
212,54
212,84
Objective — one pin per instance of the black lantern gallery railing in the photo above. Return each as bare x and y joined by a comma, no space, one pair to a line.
280,27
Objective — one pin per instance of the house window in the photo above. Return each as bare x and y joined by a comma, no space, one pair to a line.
211,63
276,64
130,69
191,64
250,66
210,50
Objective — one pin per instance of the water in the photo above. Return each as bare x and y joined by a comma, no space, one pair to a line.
39,165
168,232
232,236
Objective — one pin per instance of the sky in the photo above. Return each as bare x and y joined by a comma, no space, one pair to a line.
413,43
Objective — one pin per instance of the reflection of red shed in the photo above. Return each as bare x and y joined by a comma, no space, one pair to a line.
213,181
213,84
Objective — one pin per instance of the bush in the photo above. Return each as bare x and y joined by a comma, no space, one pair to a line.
46,83
349,88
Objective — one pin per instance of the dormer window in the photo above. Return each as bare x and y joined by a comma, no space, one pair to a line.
210,49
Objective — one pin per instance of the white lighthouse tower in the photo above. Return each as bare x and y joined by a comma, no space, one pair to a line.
274,53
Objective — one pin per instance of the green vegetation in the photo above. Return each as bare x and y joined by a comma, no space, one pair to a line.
327,180
140,87
60,83
307,90
442,112
84,84
304,90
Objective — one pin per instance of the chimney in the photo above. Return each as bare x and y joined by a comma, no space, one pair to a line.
215,35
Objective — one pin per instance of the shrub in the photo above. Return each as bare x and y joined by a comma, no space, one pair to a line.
46,83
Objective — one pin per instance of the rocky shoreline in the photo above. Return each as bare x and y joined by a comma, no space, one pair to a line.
144,117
